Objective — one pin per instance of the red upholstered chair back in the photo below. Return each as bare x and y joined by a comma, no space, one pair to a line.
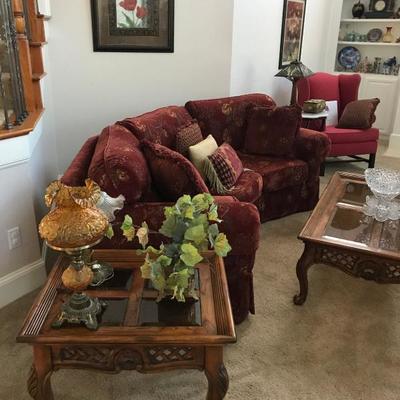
343,88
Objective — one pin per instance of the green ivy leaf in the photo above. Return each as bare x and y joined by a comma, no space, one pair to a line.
213,214
221,245
196,234
128,230
190,255
169,225
200,202
110,232
143,234
146,268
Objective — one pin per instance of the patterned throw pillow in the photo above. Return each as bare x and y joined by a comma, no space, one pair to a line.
173,175
223,168
359,114
272,131
188,136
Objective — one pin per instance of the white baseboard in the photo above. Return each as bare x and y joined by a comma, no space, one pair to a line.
21,282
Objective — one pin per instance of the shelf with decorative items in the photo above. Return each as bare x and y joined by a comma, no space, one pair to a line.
369,37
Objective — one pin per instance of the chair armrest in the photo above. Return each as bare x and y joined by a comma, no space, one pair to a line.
312,146
77,172
241,224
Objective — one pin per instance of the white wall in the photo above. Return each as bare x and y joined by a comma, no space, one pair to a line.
91,90
256,45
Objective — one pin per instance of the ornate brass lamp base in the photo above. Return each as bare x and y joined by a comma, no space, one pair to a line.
80,309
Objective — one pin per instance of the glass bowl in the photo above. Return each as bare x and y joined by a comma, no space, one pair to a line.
384,183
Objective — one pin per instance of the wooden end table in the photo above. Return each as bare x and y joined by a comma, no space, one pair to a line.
136,333
339,235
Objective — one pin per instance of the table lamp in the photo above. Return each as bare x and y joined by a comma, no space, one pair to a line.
295,71
74,225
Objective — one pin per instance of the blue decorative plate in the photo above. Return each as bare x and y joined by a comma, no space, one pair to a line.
349,57
375,35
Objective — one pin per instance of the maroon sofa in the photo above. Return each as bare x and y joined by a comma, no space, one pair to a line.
276,187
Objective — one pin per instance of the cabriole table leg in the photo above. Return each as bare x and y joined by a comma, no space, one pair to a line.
39,386
305,262
218,380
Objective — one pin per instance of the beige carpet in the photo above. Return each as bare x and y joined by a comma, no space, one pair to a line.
342,344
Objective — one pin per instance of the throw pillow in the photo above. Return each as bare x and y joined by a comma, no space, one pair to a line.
118,166
200,151
223,168
173,175
359,114
188,136
272,131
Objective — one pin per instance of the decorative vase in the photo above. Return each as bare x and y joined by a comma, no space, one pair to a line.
388,36
358,10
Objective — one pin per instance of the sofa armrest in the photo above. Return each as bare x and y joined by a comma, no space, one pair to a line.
77,172
241,224
312,146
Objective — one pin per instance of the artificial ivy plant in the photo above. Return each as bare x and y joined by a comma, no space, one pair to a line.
192,227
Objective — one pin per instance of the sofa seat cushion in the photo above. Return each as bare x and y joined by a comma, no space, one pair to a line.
118,166
277,173
338,135
159,126
225,118
248,187
172,173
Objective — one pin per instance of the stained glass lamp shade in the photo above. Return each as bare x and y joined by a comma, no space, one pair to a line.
295,71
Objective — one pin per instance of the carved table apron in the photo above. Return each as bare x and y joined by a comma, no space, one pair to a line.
353,262
113,359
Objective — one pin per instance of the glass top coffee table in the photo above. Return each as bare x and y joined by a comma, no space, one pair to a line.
338,234
135,332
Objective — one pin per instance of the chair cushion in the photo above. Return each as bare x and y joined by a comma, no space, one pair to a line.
172,173
188,136
118,165
359,114
338,135
272,131
223,168
248,187
277,173
225,118
159,126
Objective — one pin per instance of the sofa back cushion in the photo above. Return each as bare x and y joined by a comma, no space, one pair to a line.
172,173
119,166
225,118
159,126
272,131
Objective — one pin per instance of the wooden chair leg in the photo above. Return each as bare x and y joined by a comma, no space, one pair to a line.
322,170
371,162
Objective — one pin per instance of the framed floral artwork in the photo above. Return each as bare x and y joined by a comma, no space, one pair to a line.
292,31
133,25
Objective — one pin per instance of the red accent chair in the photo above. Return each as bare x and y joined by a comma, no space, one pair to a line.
344,89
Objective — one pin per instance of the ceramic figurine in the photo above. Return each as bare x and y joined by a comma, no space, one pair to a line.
358,10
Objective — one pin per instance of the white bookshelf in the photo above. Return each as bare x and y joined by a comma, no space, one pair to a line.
385,87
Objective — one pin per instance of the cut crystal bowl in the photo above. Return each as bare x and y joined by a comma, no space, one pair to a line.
384,183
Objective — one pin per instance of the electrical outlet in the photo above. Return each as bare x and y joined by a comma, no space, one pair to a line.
14,238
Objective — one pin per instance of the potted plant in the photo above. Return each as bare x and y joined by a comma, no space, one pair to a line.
191,226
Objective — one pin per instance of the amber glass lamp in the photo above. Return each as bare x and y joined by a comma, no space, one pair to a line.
295,71
74,225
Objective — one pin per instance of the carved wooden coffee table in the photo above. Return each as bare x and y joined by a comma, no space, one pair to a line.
135,333
338,234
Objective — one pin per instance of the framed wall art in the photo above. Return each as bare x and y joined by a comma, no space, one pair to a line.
292,31
133,25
